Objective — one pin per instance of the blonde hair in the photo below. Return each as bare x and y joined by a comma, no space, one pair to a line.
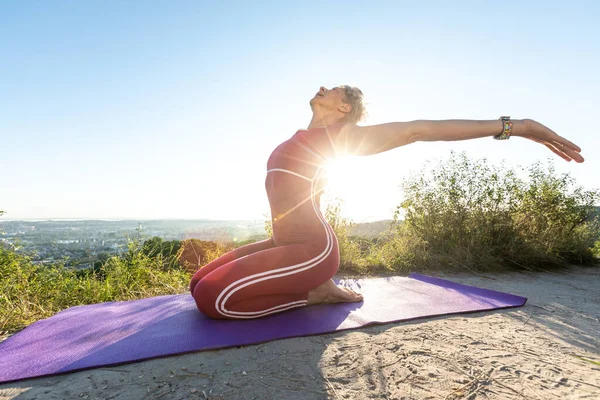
354,97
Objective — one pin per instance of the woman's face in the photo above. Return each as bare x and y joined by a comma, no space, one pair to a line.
326,99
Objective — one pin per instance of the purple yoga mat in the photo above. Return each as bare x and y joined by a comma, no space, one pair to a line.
120,332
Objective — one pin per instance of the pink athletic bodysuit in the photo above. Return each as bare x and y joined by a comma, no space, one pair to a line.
276,274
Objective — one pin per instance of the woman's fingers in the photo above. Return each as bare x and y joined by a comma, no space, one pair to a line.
559,149
557,144
558,153
568,150
575,155
555,150
564,142
570,144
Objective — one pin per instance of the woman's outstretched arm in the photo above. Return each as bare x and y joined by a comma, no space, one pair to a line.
366,140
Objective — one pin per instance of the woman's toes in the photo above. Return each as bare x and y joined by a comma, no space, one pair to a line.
353,296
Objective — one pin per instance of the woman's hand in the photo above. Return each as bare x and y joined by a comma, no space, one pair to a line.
560,146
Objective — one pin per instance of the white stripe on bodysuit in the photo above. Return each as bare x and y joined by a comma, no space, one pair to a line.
277,273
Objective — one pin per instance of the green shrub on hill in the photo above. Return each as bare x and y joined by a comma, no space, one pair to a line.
465,213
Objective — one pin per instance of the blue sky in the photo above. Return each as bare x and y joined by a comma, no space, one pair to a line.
170,109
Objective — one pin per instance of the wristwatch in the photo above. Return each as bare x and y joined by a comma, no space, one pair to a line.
506,129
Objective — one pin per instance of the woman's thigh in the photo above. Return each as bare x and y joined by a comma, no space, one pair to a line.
228,257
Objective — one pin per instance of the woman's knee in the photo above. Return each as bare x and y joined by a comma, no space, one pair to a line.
205,294
196,278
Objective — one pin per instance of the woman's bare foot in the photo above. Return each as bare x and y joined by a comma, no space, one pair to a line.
330,293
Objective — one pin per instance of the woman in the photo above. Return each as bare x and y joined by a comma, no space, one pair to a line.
295,267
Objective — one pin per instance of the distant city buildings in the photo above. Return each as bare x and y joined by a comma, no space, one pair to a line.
79,243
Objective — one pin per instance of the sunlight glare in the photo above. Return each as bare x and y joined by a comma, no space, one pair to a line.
346,180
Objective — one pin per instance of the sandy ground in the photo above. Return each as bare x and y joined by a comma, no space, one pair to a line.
541,351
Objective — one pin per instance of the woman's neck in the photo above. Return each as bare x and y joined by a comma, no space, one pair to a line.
316,122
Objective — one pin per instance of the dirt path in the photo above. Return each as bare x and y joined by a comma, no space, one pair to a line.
549,349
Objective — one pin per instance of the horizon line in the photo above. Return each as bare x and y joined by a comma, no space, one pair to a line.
145,219
123,219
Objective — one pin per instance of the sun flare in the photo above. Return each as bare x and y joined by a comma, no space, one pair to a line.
346,181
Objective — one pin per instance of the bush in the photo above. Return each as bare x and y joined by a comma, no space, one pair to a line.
467,214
